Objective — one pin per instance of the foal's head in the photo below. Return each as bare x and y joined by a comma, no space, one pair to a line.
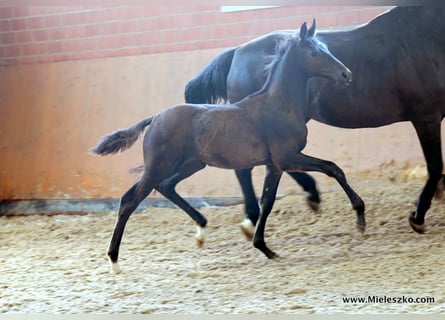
315,60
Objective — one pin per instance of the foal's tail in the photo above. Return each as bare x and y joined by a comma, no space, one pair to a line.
121,139
209,86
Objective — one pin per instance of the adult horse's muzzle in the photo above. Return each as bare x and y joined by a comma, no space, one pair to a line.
344,78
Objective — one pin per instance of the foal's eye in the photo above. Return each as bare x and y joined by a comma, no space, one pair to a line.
314,53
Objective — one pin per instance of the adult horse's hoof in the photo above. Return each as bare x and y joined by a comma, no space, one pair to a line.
315,206
361,227
248,229
419,228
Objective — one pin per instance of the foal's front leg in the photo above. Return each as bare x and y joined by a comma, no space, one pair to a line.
271,181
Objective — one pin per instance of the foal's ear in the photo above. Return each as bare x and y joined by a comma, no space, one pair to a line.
303,31
311,31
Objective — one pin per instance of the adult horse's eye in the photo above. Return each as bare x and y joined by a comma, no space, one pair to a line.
314,53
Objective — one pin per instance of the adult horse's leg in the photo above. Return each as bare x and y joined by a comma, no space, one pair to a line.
251,207
430,139
308,163
129,202
309,185
167,189
271,181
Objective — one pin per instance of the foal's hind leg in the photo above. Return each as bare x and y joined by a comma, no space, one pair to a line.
129,202
167,189
308,163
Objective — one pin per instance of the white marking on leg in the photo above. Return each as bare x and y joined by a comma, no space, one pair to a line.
200,236
115,269
248,228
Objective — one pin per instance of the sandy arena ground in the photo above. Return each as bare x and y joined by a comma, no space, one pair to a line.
57,264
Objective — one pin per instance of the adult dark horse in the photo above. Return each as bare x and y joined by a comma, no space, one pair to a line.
267,128
398,62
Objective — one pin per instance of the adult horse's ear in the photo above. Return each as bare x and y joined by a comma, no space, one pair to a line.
311,31
303,31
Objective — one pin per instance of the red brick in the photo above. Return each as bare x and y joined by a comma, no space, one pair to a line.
52,21
173,35
125,40
191,34
18,24
12,51
56,34
347,18
40,35
150,50
7,38
5,25
129,26
89,44
132,12
54,47
207,18
6,12
148,24
92,30
75,31
326,21
111,28
109,42
111,14
30,49
184,20
72,45
165,22
74,18
150,11
150,38
23,36
9,62
93,16
34,23
21,11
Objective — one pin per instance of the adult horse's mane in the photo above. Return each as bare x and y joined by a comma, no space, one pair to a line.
280,48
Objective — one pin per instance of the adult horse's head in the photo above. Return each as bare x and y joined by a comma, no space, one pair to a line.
318,61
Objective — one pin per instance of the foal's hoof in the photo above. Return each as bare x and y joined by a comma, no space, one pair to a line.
200,236
360,223
248,229
419,228
115,269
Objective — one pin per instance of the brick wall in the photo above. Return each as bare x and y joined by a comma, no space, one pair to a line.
49,34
